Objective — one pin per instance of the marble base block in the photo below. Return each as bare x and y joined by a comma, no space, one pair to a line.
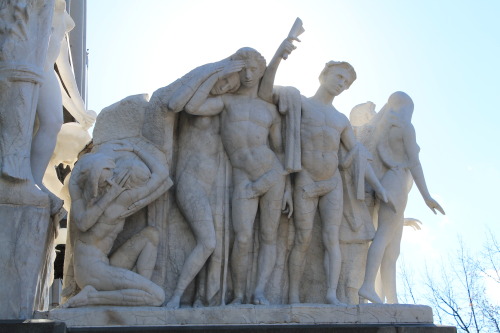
242,315
25,237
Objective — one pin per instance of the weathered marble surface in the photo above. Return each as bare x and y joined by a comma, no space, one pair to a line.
26,256
242,314
27,230
268,205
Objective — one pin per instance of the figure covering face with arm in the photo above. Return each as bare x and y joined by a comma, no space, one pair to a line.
106,187
251,137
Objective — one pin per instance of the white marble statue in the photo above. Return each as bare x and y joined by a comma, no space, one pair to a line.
106,187
391,138
251,137
318,187
197,165
49,112
27,233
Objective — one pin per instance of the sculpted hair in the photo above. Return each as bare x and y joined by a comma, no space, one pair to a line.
329,65
247,53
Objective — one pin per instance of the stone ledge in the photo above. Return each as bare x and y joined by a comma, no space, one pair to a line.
242,315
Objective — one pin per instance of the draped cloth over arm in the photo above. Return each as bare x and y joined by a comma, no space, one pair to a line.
290,105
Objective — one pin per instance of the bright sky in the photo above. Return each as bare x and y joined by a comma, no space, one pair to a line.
445,54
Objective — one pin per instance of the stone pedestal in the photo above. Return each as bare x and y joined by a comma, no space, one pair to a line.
24,260
310,314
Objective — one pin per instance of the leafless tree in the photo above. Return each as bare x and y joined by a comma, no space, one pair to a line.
458,291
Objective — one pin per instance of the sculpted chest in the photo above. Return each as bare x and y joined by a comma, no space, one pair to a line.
319,118
251,110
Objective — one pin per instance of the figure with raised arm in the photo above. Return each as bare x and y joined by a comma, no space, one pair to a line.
106,187
391,138
318,186
251,137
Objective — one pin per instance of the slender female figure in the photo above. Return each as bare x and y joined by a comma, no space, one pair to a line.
391,140
198,162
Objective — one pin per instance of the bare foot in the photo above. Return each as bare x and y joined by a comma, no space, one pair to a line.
332,299
237,301
198,303
259,299
80,299
369,294
174,303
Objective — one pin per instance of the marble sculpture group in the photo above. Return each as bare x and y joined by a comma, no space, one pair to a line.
220,189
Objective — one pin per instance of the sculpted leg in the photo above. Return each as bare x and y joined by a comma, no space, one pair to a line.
390,226
139,251
196,208
270,213
330,208
103,284
383,236
304,211
388,265
50,116
243,216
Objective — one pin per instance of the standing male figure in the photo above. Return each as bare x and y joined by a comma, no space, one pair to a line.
323,129
251,136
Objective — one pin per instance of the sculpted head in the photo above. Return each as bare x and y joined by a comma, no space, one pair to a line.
255,65
228,84
94,171
337,76
401,104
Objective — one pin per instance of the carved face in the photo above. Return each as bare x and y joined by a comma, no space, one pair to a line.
337,80
251,74
226,84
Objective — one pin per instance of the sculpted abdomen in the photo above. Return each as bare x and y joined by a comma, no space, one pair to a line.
320,165
255,162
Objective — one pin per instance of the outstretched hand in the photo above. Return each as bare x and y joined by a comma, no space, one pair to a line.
414,223
433,205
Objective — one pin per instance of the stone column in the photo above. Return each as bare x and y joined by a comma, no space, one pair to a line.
26,230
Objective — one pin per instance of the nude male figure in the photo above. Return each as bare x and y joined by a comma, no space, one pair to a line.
319,185
251,136
103,194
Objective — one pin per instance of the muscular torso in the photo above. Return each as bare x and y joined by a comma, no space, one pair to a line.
321,130
245,127
103,233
